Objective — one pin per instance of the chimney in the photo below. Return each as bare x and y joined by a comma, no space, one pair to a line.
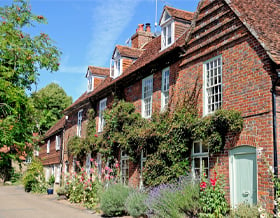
140,27
148,27
141,37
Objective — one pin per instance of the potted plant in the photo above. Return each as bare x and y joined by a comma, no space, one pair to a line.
51,183
62,192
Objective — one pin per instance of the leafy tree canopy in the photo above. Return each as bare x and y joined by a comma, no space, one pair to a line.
21,57
49,102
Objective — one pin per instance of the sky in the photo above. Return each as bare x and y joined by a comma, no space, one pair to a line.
87,31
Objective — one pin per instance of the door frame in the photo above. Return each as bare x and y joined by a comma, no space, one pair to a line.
244,149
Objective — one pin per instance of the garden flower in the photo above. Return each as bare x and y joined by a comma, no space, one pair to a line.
95,163
107,168
213,182
82,169
91,159
260,209
91,170
278,214
96,135
263,215
107,177
203,185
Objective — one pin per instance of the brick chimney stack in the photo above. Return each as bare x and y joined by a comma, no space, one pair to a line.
141,37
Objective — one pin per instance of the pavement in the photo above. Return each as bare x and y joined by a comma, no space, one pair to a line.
15,203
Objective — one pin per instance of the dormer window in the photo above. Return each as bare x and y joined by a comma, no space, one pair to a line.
167,30
116,67
90,83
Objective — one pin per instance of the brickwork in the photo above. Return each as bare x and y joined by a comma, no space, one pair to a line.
246,84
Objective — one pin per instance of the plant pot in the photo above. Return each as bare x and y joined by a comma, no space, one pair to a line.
50,191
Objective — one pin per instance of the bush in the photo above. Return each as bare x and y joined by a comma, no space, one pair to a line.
163,201
135,203
245,210
188,200
51,180
112,201
34,179
62,191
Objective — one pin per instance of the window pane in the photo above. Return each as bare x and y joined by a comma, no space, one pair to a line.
196,147
205,162
204,148
196,162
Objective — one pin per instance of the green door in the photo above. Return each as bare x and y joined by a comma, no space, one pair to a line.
243,175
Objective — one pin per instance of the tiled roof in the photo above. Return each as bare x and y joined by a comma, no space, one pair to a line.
126,51
56,127
177,13
102,71
262,18
150,52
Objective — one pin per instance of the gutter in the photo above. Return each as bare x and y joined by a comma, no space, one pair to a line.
275,155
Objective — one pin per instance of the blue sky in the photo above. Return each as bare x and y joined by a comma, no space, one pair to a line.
86,31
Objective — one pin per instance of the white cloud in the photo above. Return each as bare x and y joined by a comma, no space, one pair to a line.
109,20
73,69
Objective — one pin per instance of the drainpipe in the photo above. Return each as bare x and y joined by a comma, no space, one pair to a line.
275,158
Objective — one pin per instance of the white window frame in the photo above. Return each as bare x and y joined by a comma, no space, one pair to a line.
79,123
101,121
212,75
48,146
167,26
148,98
116,65
90,83
165,84
57,173
124,167
199,155
57,142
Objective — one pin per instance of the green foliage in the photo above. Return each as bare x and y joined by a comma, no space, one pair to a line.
213,129
51,180
174,200
245,210
212,197
82,189
49,102
113,199
81,146
166,137
135,203
188,199
34,179
21,57
62,191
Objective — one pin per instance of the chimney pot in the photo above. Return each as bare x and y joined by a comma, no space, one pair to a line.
148,27
140,27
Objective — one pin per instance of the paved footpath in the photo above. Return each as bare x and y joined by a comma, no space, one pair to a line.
15,203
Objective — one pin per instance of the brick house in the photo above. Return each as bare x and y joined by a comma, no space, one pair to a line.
232,49
51,150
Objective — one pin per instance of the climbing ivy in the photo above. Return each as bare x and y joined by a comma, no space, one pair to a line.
167,137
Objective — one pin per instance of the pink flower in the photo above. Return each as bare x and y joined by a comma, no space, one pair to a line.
117,165
107,177
78,163
96,135
203,185
111,177
107,168
110,170
91,170
82,169
213,181
95,163
91,159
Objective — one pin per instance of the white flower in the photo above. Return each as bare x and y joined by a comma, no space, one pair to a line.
263,215
260,209
278,214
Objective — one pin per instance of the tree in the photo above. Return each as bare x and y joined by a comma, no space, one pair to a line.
21,57
49,102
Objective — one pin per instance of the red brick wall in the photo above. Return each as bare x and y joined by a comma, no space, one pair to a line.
53,157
